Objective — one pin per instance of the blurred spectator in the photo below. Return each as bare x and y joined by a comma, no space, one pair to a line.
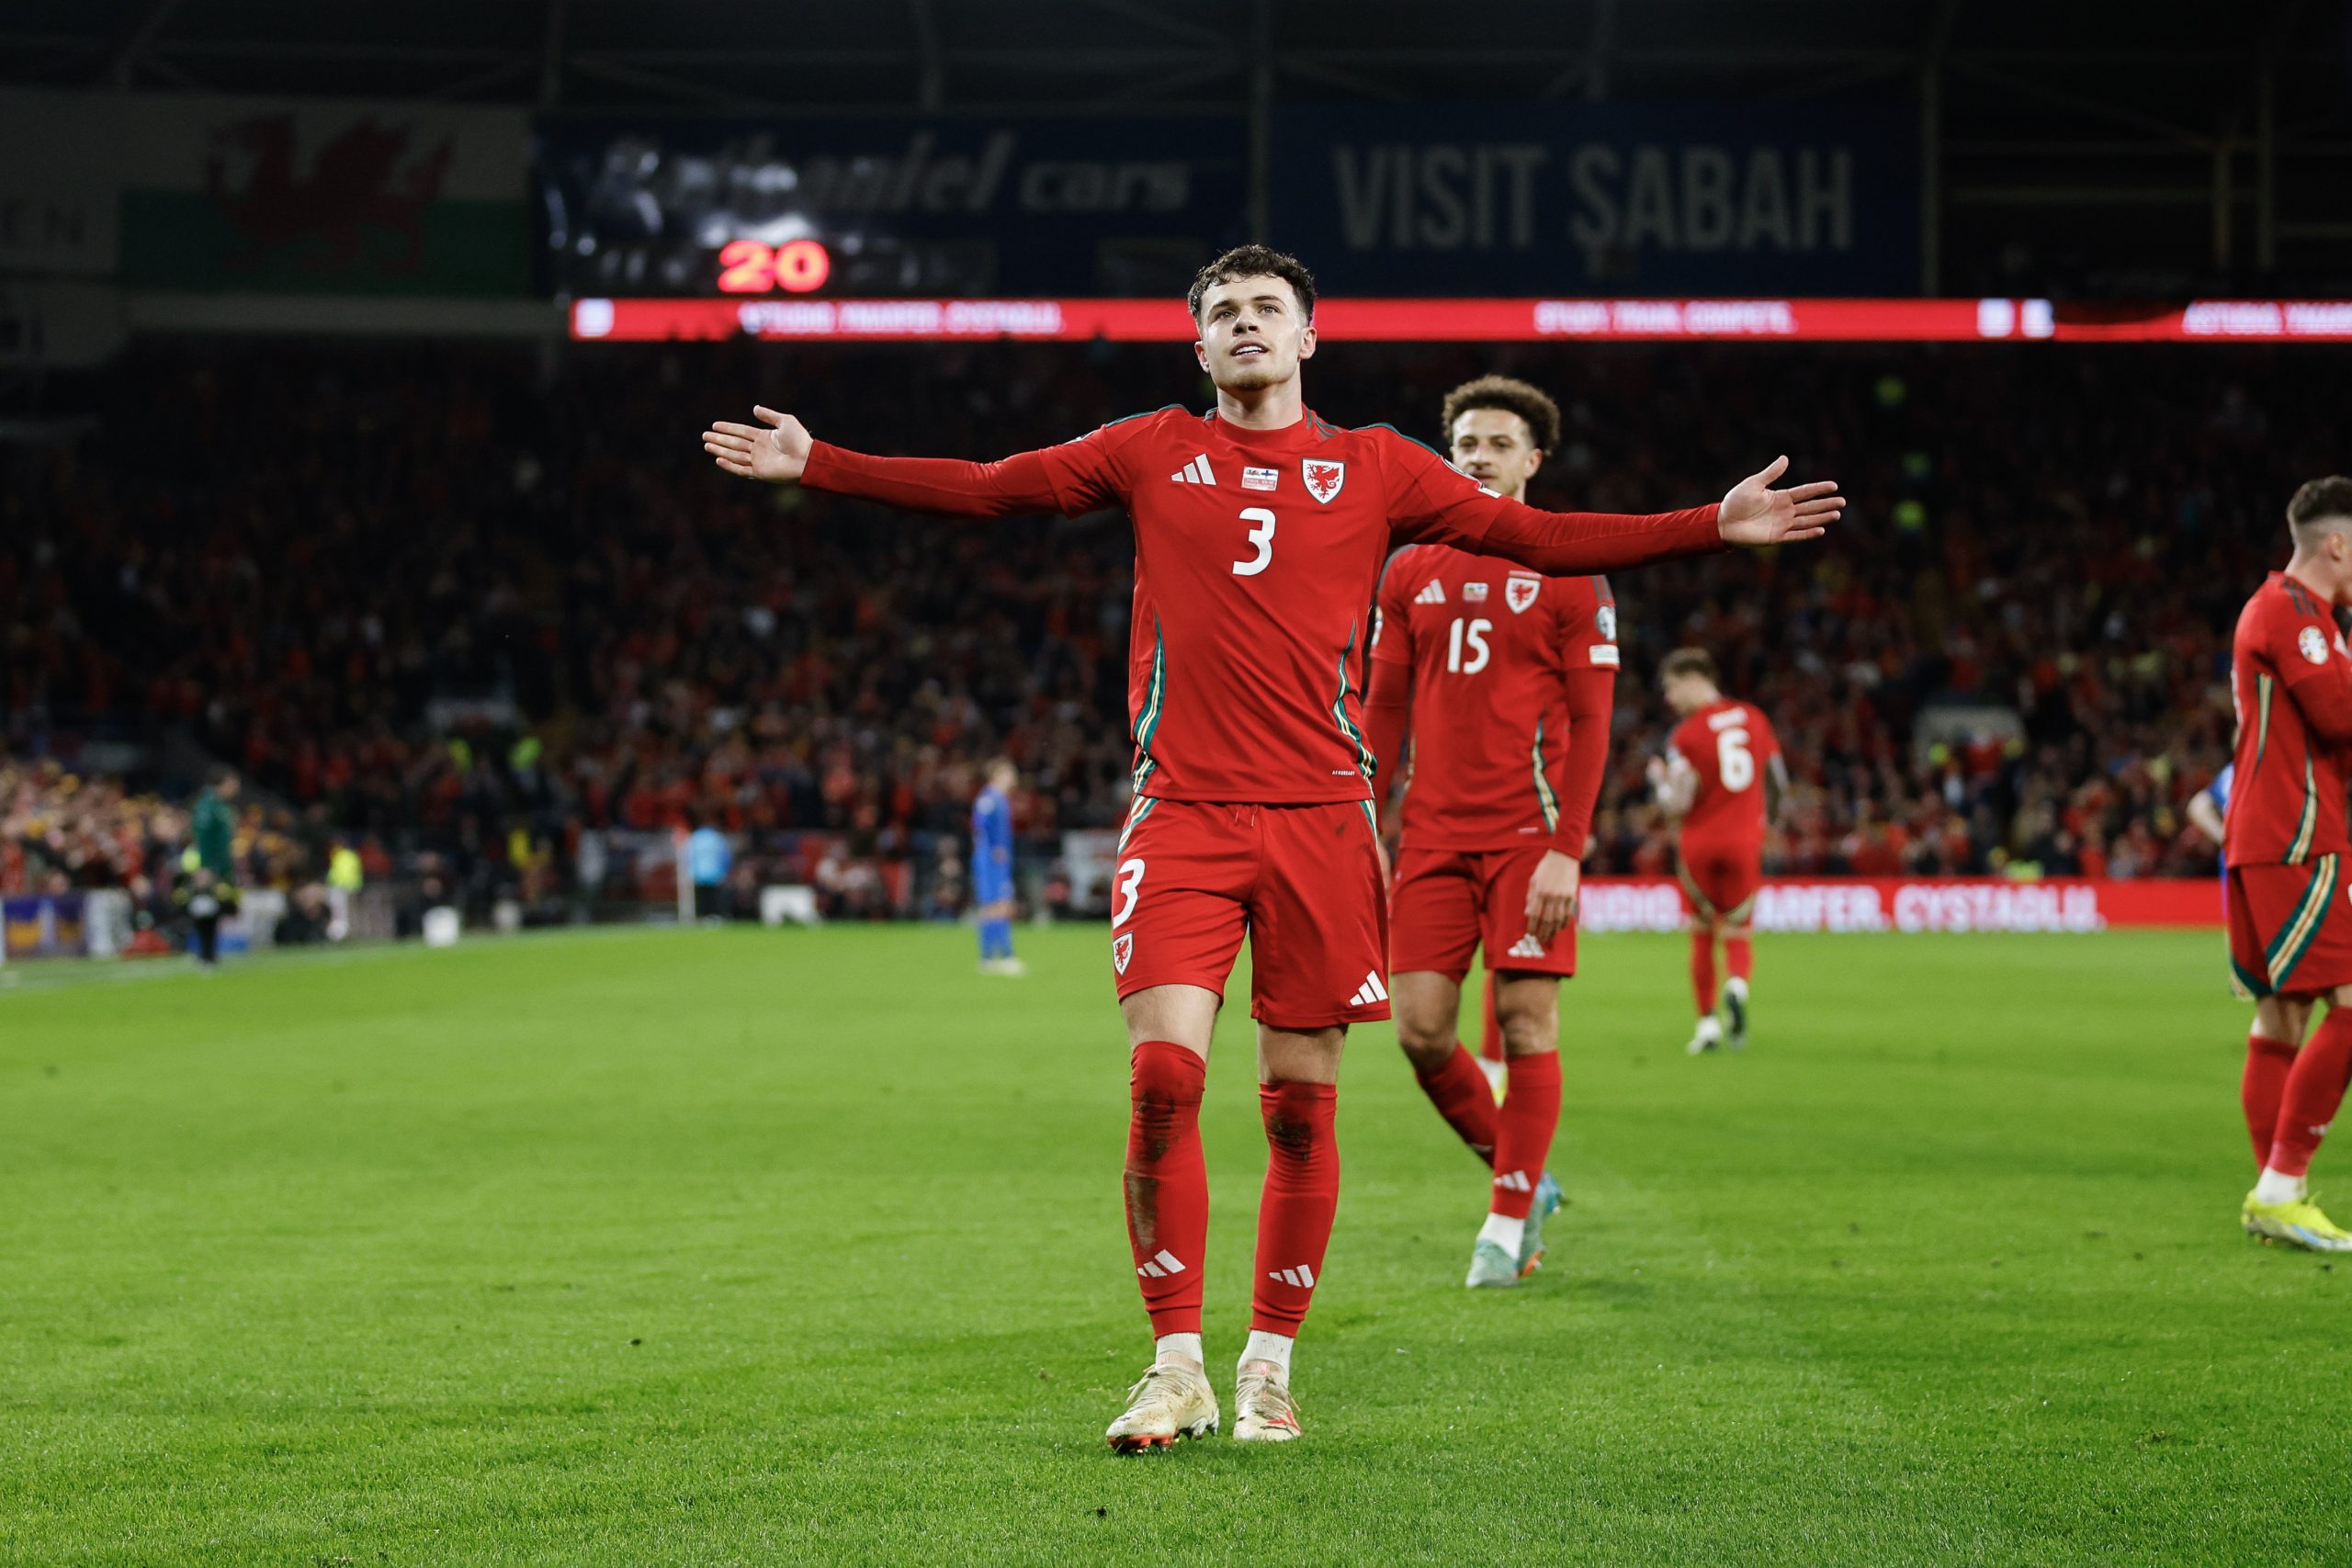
455,602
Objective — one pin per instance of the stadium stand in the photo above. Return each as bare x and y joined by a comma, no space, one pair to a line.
468,604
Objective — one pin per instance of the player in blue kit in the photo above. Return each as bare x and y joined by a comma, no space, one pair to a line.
992,869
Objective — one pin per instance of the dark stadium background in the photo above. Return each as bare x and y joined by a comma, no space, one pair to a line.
339,502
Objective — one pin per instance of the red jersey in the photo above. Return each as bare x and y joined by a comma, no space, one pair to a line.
1510,673
2291,680
1730,747
1256,554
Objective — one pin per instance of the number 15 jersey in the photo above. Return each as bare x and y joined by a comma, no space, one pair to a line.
1490,649
1256,555
1729,745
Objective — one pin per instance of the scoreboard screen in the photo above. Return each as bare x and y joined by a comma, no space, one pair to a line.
929,209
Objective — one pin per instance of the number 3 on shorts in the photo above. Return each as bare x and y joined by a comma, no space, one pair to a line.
1129,876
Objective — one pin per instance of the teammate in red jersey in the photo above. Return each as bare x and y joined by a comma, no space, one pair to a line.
2290,925
1722,779
1259,532
1505,679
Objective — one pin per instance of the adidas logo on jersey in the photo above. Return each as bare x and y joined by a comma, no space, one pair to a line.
1371,991
1433,595
1195,472
1302,1276
1164,1263
1527,947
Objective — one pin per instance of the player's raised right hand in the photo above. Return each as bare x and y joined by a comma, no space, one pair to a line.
776,449
1754,514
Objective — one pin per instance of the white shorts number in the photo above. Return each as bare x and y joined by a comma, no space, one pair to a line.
1735,764
1130,875
1262,536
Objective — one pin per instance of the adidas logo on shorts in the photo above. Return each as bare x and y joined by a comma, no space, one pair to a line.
1371,991
1526,947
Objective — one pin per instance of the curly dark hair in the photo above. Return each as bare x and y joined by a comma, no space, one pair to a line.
1511,396
1254,261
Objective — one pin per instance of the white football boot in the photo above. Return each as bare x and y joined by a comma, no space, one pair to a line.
1171,1401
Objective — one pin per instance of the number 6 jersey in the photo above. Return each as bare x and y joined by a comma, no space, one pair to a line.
1730,745
1256,555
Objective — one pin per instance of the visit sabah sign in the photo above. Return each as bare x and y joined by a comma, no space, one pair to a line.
1601,198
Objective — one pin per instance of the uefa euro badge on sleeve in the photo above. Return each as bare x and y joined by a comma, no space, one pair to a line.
1323,478
2312,641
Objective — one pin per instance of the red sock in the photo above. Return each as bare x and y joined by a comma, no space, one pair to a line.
1739,956
1531,1111
1702,971
1490,1038
2313,1089
1302,1195
1168,1183
2267,1063
1462,1095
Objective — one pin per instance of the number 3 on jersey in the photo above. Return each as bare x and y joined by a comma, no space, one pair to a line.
1129,877
1735,764
1262,536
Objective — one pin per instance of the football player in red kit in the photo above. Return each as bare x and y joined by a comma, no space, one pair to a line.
1722,780
1259,533
2284,842
1505,679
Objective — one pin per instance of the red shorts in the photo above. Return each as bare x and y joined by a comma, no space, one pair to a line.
1302,881
1719,881
2291,928
1447,903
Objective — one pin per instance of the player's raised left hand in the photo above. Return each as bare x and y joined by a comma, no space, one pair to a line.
1753,512
776,449
1552,895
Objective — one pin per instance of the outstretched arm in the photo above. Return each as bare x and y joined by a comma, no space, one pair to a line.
781,451
1430,499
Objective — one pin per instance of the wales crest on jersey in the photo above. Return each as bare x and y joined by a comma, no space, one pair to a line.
1520,590
1323,478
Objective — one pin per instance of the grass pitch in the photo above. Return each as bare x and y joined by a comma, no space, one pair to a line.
746,1246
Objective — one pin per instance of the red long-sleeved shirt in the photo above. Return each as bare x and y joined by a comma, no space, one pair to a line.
1509,679
1256,555
2292,682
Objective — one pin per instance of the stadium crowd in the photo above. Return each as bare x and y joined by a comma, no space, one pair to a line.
480,604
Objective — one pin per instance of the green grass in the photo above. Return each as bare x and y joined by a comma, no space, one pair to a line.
739,1246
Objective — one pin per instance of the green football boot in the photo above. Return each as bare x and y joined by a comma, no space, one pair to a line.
2295,1223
